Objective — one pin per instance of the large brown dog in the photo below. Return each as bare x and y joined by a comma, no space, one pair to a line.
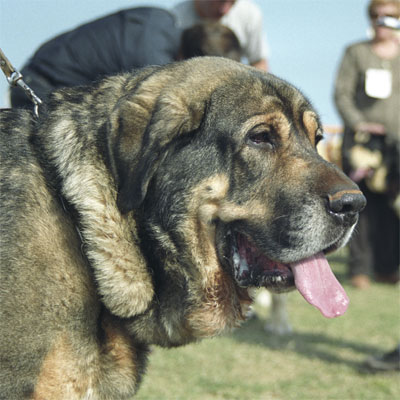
139,211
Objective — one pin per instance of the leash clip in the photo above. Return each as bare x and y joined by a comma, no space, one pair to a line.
14,78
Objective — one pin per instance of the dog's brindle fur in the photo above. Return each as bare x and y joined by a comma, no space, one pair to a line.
116,209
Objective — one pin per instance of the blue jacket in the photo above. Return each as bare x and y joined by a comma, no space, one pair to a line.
119,42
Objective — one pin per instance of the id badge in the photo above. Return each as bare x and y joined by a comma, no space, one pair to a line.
378,83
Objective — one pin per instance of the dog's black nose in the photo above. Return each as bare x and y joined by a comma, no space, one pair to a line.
346,204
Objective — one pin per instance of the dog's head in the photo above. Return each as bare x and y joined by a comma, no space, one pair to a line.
227,181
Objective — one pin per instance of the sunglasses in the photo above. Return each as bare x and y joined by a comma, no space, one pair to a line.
376,16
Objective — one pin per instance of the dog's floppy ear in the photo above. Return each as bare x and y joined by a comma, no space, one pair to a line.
142,127
172,116
167,102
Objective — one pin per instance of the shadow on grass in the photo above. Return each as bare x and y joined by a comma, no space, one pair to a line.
310,345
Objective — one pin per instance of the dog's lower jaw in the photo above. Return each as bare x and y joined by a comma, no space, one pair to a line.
342,241
206,309
224,307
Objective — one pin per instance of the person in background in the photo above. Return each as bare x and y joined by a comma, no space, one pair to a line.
367,96
243,17
209,39
118,43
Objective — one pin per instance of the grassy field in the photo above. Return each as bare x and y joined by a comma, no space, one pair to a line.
321,359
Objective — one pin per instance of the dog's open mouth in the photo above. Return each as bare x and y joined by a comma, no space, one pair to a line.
312,276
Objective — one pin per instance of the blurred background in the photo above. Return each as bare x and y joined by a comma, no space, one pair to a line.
320,359
306,37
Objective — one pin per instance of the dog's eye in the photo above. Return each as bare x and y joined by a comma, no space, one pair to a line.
262,139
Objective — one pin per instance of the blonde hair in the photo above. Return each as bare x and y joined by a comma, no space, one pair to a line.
376,3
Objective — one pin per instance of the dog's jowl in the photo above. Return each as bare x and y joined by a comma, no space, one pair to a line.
142,209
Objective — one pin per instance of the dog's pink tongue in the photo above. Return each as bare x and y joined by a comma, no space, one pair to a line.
314,279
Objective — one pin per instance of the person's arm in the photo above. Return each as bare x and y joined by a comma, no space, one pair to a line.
255,47
262,64
345,90
345,93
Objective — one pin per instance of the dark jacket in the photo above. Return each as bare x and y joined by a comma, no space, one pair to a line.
119,42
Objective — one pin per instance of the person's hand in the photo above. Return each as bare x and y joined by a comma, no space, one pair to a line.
370,127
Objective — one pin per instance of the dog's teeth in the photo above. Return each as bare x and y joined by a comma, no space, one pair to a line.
276,279
244,267
236,258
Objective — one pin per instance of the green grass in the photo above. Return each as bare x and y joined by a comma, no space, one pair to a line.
322,359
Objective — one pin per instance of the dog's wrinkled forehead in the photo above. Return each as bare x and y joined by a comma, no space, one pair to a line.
294,104
208,98
259,97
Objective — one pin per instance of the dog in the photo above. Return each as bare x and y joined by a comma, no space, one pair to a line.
139,211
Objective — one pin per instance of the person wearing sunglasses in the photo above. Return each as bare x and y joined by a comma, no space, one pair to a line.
367,97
